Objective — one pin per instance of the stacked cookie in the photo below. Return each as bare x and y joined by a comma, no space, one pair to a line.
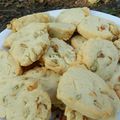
70,62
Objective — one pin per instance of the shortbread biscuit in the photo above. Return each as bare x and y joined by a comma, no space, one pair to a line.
59,56
47,78
8,66
93,27
73,15
24,100
62,31
85,92
18,23
30,47
77,42
32,31
99,56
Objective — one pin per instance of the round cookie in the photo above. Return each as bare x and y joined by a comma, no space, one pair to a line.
77,42
73,15
8,66
18,23
59,56
26,33
48,79
30,47
99,56
93,27
85,92
25,100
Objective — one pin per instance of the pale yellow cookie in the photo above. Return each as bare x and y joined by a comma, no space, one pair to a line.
30,47
18,23
99,56
62,31
59,56
25,100
77,42
31,31
93,27
8,66
73,15
85,92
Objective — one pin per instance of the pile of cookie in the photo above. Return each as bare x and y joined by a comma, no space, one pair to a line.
70,62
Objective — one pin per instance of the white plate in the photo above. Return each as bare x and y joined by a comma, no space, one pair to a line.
55,13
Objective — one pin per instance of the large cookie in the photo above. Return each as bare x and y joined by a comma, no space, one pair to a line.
18,23
77,42
24,100
59,56
48,79
93,27
31,31
73,15
30,47
100,56
8,66
62,31
85,92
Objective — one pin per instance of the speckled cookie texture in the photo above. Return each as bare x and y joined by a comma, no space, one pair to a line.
18,23
99,56
59,56
31,46
25,100
62,31
74,15
85,92
8,66
93,27
77,42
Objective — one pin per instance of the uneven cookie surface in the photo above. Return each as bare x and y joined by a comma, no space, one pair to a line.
18,23
100,56
86,92
74,15
59,56
28,98
93,27
31,46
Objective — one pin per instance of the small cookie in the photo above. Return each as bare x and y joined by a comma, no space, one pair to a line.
73,15
85,92
77,42
33,30
93,27
8,66
47,78
115,81
62,31
99,56
24,100
18,23
30,47
59,56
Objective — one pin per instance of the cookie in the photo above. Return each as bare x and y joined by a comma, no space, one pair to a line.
77,41
73,15
93,27
30,47
62,31
59,56
48,79
87,93
115,81
26,33
8,66
18,23
99,56
117,44
20,96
